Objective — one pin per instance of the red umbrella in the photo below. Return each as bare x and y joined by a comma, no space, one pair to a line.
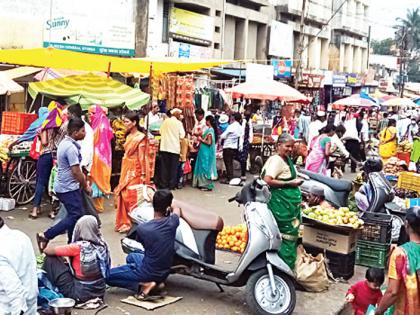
355,100
267,90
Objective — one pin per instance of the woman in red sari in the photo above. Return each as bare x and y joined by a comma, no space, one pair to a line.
137,168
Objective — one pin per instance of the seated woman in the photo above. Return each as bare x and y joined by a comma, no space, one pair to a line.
84,278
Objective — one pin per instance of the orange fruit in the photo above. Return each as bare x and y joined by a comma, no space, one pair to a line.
235,249
231,243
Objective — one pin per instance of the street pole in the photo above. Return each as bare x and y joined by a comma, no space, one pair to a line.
368,48
300,48
402,61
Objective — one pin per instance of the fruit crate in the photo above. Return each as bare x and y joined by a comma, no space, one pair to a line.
409,180
340,265
377,228
370,254
15,123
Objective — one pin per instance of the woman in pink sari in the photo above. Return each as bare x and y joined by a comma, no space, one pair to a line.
320,150
100,173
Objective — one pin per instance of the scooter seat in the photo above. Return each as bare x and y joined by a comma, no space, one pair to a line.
199,218
334,184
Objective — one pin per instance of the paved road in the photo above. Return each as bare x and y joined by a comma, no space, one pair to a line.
199,297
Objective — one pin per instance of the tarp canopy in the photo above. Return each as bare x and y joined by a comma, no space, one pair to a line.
50,74
65,59
19,72
90,89
398,101
8,86
267,90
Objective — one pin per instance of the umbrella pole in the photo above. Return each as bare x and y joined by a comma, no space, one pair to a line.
109,70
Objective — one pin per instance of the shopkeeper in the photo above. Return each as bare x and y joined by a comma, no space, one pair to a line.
280,174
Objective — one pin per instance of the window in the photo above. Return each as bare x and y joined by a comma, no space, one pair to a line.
216,45
217,29
165,22
218,13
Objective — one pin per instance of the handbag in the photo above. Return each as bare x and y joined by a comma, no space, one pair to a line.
35,150
311,272
187,167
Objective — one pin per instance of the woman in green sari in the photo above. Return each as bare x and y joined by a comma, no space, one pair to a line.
205,170
280,174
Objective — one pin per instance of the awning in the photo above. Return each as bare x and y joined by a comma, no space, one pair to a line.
233,73
8,86
89,90
358,100
400,102
51,74
65,59
19,72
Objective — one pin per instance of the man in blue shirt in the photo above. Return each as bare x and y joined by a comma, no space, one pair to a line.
69,182
144,270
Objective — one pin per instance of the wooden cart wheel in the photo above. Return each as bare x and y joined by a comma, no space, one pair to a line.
22,181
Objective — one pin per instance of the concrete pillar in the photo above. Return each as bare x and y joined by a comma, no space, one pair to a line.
141,23
348,58
262,41
364,59
229,38
357,61
251,49
325,45
241,39
342,56
314,53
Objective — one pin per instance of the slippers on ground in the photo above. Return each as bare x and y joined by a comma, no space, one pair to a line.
147,298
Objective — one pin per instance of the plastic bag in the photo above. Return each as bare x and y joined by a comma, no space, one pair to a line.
311,272
35,150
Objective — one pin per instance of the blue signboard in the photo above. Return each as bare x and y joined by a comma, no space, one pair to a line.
282,68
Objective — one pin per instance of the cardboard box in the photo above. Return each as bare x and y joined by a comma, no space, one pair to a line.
342,242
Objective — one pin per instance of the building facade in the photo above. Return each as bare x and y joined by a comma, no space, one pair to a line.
339,43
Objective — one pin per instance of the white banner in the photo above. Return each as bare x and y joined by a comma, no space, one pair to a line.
281,40
256,72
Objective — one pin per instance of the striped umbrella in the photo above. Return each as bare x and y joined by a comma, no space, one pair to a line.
90,89
357,100
400,102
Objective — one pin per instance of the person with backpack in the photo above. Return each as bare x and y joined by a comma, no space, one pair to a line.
84,278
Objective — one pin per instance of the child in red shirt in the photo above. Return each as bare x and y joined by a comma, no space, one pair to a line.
366,292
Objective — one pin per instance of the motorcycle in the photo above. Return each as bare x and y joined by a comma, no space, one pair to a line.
269,281
337,193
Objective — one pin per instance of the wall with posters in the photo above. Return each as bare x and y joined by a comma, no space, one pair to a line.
34,23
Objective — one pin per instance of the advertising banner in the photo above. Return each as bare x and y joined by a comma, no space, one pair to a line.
90,35
257,72
185,50
191,26
282,68
281,40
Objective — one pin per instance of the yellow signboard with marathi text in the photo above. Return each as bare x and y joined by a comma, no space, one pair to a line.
191,26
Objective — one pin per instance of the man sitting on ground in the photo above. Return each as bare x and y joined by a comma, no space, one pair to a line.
144,270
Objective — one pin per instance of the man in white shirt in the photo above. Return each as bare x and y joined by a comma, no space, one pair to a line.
402,127
303,125
171,132
18,279
231,140
152,116
316,125
351,136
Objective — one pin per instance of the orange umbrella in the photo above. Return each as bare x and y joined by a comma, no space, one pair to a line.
267,90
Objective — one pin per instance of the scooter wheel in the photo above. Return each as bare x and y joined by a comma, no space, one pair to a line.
260,298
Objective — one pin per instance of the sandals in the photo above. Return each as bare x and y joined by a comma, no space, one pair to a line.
124,229
42,242
147,298
33,217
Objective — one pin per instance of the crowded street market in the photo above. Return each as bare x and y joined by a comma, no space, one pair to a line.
132,184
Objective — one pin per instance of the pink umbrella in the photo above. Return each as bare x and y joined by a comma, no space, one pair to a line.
267,90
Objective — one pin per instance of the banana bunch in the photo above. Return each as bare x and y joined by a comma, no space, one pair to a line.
4,154
404,147
119,131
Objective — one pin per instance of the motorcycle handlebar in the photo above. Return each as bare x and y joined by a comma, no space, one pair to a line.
232,199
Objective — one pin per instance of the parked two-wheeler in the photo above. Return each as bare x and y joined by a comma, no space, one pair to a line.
269,281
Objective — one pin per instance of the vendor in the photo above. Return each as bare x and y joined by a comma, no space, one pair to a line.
285,204
317,197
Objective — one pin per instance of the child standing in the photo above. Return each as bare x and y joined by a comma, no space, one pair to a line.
366,292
